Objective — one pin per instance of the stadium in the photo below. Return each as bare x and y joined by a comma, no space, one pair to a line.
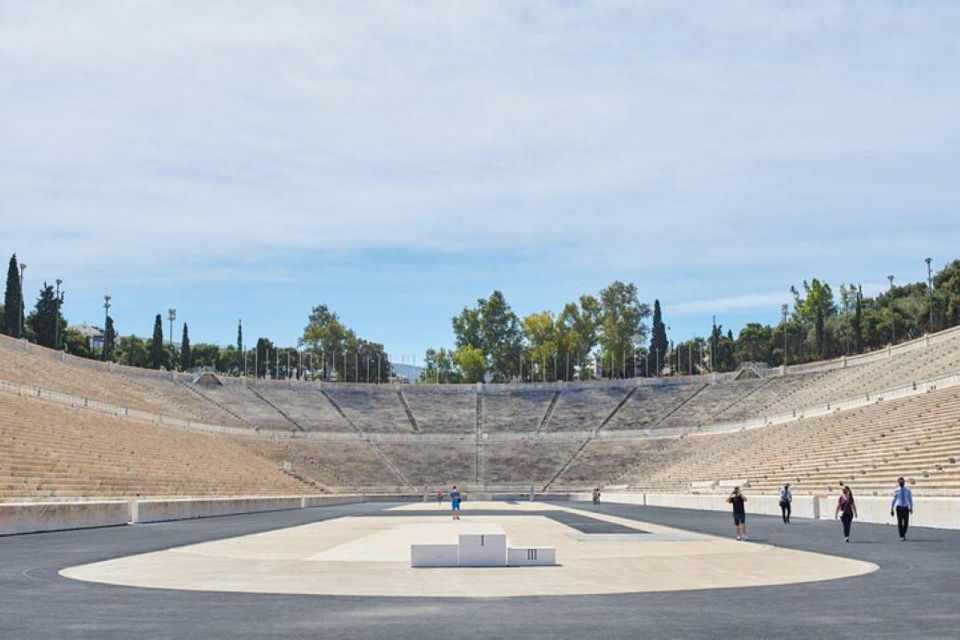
598,341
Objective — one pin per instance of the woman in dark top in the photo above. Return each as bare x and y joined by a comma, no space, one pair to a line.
737,499
846,511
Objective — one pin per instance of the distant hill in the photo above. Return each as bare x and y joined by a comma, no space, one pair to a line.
407,371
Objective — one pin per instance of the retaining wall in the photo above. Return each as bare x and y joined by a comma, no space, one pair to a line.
936,512
29,517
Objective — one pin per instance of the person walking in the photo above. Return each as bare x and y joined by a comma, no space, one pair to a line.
737,499
846,511
440,497
455,502
785,499
903,506
596,495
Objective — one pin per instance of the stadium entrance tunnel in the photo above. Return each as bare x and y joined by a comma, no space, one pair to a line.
369,555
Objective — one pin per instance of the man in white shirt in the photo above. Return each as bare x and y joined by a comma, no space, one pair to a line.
902,505
786,498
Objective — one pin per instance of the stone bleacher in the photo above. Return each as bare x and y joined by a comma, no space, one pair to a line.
917,437
443,408
509,435
48,451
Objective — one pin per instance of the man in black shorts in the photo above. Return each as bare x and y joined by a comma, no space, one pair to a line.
737,499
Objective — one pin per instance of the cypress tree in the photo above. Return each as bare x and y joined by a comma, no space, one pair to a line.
12,302
658,340
186,358
240,346
156,347
45,317
858,324
109,339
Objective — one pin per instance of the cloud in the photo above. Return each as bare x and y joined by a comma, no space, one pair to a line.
219,138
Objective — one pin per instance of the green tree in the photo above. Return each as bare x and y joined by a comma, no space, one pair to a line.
658,341
204,354
109,340
543,346
494,329
186,359
157,355
813,308
439,367
577,328
45,318
265,359
622,327
239,354
77,344
13,302
754,344
132,351
470,360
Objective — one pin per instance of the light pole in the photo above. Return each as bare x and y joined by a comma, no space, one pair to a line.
171,316
783,310
930,291
893,315
56,324
106,319
23,267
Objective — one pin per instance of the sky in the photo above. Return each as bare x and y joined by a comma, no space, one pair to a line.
397,161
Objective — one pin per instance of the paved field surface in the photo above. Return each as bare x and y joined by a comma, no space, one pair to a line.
370,556
914,594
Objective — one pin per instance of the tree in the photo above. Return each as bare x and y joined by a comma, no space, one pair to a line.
439,367
494,329
542,344
203,354
265,361
240,367
109,340
621,325
724,358
658,341
12,302
45,318
471,363
577,327
77,344
857,322
502,339
186,359
132,351
813,308
754,344
157,358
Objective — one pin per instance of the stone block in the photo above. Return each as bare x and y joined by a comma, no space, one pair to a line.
483,550
434,555
531,556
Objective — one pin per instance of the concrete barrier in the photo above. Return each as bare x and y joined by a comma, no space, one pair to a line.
309,502
31,517
531,556
802,506
939,513
143,511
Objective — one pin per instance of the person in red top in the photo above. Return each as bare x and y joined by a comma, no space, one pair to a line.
846,511
440,497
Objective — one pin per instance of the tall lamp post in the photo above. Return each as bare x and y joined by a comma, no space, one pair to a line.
23,267
893,315
106,317
783,311
171,316
56,324
929,291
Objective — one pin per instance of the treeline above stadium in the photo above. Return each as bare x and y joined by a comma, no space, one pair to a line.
606,335
610,334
